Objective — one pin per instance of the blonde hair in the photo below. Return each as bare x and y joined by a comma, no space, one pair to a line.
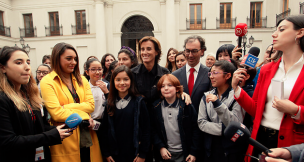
30,90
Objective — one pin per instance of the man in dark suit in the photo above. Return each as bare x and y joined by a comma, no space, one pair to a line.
194,76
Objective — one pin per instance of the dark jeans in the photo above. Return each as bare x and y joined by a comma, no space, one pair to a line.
267,137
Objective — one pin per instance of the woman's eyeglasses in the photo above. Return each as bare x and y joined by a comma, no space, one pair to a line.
213,73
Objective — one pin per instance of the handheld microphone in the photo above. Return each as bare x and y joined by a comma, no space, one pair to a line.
237,132
240,31
73,121
251,59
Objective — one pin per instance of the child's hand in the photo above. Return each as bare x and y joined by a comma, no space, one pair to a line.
165,154
103,86
190,158
236,54
138,159
211,97
110,159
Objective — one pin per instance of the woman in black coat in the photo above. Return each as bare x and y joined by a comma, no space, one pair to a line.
22,130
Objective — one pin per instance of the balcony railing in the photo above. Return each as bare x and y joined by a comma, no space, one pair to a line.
302,8
225,23
53,30
28,32
196,24
5,31
257,23
282,15
84,29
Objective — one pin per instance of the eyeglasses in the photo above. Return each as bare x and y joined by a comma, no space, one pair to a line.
194,51
215,73
42,72
95,70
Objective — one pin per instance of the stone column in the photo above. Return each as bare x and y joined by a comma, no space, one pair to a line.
109,26
101,43
170,26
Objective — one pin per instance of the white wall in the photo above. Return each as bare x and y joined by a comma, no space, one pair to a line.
118,11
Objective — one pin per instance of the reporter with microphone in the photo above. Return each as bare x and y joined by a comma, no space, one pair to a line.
23,132
278,122
66,92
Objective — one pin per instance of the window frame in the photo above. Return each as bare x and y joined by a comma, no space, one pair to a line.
225,25
196,25
28,31
56,26
81,30
256,23
2,29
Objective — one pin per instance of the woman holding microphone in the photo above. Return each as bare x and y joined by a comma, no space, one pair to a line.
65,92
278,122
22,130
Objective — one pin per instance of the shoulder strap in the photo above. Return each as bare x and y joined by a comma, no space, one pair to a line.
204,99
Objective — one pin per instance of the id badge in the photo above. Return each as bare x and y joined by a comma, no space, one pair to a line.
39,154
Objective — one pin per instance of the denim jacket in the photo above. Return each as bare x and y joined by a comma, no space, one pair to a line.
141,130
187,123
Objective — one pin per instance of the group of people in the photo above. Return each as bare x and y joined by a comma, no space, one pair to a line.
133,109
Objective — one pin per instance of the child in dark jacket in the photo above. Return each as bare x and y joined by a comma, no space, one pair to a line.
175,133
126,124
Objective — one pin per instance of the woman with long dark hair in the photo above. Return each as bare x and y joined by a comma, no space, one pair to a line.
278,122
171,55
106,60
22,129
65,92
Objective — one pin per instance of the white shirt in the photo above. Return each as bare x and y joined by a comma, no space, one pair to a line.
99,99
196,67
272,117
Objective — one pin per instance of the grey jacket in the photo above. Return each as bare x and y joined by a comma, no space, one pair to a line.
297,152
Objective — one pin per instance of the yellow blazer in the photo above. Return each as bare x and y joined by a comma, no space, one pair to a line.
60,104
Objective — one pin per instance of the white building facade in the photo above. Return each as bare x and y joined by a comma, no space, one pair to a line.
96,27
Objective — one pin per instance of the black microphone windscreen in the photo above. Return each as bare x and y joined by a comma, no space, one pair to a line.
236,131
254,51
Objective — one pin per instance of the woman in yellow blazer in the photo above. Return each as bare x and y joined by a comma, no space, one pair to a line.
65,92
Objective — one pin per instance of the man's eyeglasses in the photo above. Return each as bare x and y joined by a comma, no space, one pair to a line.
95,70
215,73
194,51
42,72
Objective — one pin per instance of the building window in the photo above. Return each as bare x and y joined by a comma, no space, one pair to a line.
54,23
28,25
195,16
2,29
225,15
285,5
256,14
81,26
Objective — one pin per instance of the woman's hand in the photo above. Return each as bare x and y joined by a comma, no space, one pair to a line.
190,158
110,159
165,154
281,153
138,159
103,86
91,121
284,106
238,76
211,97
235,54
62,132
186,97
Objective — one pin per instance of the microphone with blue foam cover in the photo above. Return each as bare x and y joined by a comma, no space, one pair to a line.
73,121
